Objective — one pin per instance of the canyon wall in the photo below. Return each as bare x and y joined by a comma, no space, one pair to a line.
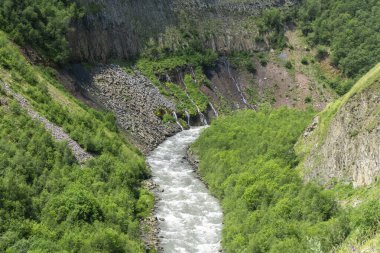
343,141
119,29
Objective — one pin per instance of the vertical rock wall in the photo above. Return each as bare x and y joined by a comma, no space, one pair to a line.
119,29
350,151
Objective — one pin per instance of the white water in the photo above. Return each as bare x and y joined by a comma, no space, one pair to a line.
215,112
188,118
168,78
235,81
203,118
176,120
192,218
201,115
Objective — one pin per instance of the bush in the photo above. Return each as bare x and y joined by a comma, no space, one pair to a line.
321,53
266,205
288,65
304,61
251,68
263,62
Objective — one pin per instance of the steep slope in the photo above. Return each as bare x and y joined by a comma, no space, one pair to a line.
113,29
48,201
249,162
343,141
57,132
136,103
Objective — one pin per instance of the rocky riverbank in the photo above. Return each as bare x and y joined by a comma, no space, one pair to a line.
149,226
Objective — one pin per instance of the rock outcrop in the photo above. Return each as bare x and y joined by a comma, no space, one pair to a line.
348,149
117,29
135,101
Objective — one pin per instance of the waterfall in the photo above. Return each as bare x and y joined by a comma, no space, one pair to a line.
203,118
234,81
188,118
193,74
212,107
168,78
176,120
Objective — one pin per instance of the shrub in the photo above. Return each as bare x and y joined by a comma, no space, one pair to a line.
263,62
288,65
251,68
321,53
304,61
308,99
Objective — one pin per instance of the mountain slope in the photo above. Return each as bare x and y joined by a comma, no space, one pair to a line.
48,202
342,143
250,163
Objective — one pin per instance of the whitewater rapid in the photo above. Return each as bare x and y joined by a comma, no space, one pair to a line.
190,219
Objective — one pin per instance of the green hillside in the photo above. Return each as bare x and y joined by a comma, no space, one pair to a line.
249,162
48,202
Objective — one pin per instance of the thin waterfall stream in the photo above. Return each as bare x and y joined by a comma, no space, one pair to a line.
190,219
201,115
176,120
227,64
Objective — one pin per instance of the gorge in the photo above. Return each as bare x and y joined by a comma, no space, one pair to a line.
189,126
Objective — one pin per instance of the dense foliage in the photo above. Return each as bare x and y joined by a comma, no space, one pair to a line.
42,24
350,28
48,203
180,77
248,161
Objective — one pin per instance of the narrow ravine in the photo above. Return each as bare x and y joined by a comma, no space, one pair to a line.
190,219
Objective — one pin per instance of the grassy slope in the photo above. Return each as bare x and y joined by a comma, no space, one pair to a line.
88,209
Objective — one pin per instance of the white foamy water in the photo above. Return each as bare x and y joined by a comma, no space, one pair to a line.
192,218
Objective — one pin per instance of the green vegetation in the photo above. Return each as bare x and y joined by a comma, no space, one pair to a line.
271,25
248,162
41,24
349,28
304,61
48,202
288,65
175,66
242,60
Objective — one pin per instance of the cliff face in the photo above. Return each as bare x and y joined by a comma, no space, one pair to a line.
117,28
120,28
349,147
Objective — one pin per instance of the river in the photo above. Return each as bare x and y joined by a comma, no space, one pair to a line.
190,219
